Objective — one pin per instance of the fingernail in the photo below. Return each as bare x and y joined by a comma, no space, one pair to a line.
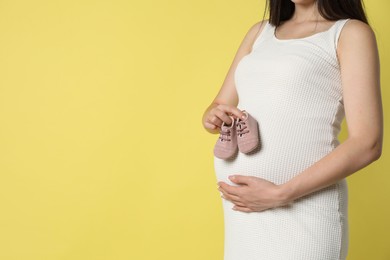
232,177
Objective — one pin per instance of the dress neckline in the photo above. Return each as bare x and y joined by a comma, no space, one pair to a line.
302,38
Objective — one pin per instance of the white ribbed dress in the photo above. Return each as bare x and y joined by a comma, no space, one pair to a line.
293,89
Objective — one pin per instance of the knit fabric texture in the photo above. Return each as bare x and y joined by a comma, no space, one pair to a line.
293,89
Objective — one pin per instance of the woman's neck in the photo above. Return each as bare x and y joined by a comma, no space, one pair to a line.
306,13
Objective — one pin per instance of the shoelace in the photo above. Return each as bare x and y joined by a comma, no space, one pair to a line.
242,128
225,134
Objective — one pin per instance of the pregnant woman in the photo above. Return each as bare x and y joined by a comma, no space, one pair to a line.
297,74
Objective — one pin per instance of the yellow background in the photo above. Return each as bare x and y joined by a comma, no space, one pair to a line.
102,151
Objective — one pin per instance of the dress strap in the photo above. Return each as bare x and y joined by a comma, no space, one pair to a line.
263,34
337,30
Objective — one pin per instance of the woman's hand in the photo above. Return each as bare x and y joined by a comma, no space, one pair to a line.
218,113
253,193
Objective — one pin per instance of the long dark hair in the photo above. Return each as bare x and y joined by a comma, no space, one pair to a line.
333,10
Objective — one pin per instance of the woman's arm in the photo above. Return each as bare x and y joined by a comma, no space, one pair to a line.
227,99
359,62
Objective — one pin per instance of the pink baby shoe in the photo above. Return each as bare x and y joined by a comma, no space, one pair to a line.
247,133
226,145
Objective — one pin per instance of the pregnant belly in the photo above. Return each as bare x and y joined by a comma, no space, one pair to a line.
290,141
278,159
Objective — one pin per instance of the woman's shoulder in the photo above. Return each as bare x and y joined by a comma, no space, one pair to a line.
355,29
255,30
356,37
258,26
260,23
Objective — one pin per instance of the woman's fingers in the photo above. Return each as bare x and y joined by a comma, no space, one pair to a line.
243,209
217,117
222,113
210,126
231,197
234,199
214,120
231,110
223,116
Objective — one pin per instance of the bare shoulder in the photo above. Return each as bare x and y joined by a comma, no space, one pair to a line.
256,29
356,31
259,25
253,32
